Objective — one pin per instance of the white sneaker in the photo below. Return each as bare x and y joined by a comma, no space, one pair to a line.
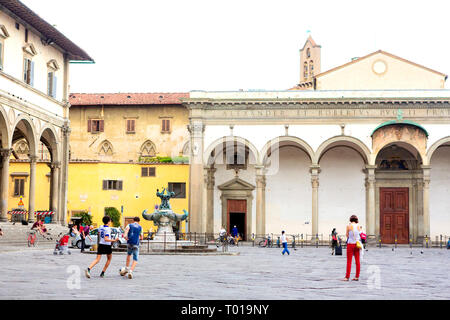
123,271
130,274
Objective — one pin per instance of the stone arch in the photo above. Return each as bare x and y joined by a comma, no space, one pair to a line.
186,150
405,145
4,129
435,146
210,159
407,132
286,141
343,141
24,128
148,149
106,148
49,138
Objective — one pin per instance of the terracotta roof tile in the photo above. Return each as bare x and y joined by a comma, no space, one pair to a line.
86,99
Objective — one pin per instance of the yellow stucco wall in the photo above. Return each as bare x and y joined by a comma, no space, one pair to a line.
139,193
85,189
42,185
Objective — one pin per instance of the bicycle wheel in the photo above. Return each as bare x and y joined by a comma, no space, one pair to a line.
29,240
262,243
218,243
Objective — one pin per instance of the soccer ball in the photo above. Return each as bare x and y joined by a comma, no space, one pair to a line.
123,271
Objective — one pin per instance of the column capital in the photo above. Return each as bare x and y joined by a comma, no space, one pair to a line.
260,181
33,158
196,128
209,177
66,130
6,153
55,165
314,169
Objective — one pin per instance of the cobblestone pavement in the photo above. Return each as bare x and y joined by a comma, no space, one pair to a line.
257,273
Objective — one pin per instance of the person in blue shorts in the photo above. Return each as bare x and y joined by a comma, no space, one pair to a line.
133,235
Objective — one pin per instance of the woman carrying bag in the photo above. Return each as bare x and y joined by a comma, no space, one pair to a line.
353,247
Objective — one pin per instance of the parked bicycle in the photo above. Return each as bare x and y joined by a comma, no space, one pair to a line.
266,242
225,241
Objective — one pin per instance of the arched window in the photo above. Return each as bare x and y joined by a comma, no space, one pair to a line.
106,148
148,149
305,70
311,68
308,53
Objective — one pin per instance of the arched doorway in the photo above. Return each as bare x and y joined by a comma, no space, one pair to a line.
229,185
399,193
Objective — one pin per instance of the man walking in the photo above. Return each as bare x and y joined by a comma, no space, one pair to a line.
133,234
104,246
285,243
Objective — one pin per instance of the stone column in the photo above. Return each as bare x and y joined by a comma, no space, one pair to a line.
315,170
5,153
196,176
370,200
426,200
260,201
32,192
54,169
209,183
64,175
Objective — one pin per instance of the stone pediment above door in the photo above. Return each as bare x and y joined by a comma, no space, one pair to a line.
236,184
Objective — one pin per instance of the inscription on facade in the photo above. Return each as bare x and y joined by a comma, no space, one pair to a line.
324,113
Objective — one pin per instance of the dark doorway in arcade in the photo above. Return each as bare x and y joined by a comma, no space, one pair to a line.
237,213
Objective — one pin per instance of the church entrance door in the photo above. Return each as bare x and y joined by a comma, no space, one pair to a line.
394,215
237,216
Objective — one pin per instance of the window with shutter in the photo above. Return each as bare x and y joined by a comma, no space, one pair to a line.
89,126
178,188
19,187
152,172
22,187
101,125
112,184
165,125
144,172
16,187
130,126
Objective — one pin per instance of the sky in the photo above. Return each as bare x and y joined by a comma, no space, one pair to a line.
180,46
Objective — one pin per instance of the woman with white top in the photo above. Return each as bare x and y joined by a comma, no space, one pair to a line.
352,232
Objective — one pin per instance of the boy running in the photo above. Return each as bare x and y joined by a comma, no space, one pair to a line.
104,246
133,233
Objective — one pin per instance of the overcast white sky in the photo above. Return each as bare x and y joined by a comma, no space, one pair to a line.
179,46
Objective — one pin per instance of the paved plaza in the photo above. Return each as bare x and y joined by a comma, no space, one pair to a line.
256,273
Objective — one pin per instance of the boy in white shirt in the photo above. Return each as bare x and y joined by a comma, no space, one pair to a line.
104,246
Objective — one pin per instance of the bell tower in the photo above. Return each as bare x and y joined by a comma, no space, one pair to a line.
309,60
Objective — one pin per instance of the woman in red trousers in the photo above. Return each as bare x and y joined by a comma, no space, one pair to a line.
353,231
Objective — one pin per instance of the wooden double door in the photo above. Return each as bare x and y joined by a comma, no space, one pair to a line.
394,215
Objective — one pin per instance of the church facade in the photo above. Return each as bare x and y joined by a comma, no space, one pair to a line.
370,137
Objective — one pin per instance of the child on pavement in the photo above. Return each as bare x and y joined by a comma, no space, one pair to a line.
104,246
133,233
